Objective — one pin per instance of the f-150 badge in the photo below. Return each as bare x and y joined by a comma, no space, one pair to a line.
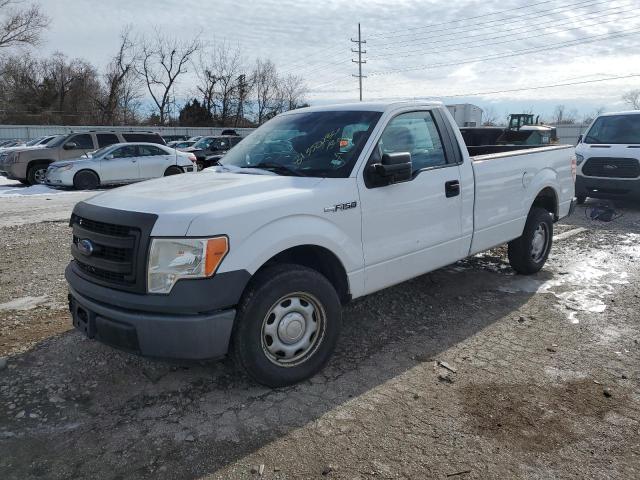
340,207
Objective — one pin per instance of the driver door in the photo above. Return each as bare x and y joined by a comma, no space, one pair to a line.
121,165
412,227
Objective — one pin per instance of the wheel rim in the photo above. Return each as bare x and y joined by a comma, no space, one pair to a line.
293,329
199,166
540,242
39,175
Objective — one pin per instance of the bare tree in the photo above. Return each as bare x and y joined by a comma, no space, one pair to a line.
162,61
632,99
264,81
120,80
20,24
489,117
293,90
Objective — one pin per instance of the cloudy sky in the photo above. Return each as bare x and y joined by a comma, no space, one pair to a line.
489,52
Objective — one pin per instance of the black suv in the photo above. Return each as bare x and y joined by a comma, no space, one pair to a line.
208,150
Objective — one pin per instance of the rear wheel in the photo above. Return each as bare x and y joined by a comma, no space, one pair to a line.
37,173
172,170
287,325
581,199
528,254
86,180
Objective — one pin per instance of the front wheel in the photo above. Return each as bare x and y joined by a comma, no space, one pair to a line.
86,180
287,325
173,170
581,199
528,254
37,173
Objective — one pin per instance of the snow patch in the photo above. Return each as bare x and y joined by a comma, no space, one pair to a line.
24,303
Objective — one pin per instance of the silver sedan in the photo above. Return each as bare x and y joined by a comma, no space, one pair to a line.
120,164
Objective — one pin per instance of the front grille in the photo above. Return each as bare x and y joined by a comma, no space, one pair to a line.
105,275
611,167
112,255
115,253
101,227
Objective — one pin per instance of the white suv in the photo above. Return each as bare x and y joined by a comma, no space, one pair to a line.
119,164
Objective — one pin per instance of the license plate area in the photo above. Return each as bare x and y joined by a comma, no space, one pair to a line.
83,318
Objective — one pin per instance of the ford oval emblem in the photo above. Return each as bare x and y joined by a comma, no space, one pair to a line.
86,247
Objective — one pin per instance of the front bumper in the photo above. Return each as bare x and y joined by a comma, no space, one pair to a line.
59,178
607,187
180,325
193,337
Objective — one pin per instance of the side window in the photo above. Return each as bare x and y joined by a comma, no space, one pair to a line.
417,134
125,152
235,141
106,139
150,151
84,141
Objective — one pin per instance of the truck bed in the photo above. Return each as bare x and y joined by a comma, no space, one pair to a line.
506,184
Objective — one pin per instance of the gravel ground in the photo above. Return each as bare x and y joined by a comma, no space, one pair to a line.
468,372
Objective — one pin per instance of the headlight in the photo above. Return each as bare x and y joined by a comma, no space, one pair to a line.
171,259
62,168
579,159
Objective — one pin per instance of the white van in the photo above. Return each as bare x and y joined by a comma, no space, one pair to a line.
608,157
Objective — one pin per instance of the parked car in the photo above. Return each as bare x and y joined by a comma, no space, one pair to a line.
608,157
181,145
29,166
10,143
119,164
262,251
195,139
208,150
174,138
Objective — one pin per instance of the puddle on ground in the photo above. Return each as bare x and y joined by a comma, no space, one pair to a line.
583,280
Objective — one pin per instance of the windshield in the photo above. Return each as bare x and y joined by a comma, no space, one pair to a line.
35,141
56,142
322,144
615,129
203,143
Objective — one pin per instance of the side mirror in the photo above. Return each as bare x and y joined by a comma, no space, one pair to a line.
109,157
394,167
70,146
579,139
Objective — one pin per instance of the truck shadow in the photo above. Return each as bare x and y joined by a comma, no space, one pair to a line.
101,413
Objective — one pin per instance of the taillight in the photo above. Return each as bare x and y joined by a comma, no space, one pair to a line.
574,168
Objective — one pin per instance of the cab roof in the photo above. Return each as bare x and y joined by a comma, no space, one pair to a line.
367,106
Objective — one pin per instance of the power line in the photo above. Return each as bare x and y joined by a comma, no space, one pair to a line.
359,61
520,32
496,57
537,87
516,53
527,15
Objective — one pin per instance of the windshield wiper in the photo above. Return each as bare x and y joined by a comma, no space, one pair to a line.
277,168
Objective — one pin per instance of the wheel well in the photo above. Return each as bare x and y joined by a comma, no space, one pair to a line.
86,170
320,259
36,162
173,166
547,199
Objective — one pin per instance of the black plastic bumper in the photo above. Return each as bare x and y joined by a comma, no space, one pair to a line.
607,187
193,322
192,337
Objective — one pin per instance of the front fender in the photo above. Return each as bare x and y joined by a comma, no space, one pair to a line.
254,250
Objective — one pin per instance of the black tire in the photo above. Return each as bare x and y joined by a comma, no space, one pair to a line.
36,173
525,256
86,180
200,165
581,199
24,182
269,290
172,170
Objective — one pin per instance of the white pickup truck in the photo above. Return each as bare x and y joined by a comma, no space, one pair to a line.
319,206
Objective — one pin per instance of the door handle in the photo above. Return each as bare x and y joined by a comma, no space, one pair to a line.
452,188
134,161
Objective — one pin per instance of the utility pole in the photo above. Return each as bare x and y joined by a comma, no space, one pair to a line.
359,61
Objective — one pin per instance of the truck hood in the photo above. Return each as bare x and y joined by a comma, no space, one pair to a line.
179,199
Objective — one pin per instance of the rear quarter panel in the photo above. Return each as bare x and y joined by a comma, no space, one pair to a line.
506,186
